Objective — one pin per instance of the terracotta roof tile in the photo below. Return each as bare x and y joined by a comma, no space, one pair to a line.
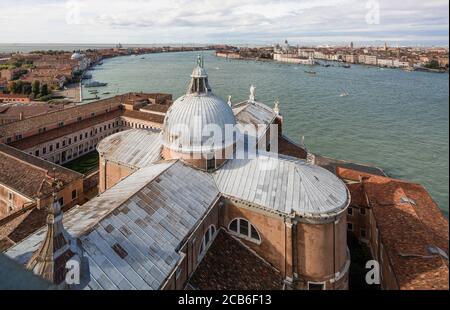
228,265
155,118
30,175
409,221
53,134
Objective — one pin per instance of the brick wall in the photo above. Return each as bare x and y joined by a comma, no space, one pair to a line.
11,201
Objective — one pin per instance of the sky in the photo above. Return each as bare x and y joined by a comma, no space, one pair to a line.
404,22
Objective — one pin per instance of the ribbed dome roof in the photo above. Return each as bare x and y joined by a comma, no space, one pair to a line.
196,122
76,56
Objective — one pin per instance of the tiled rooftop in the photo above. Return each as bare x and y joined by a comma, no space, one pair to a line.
150,117
30,175
409,222
229,265
10,112
68,129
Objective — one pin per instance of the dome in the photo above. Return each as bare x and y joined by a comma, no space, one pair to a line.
196,122
76,56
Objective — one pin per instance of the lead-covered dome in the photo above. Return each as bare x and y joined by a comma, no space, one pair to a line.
76,56
196,122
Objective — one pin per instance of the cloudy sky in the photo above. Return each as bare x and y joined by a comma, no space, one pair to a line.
224,21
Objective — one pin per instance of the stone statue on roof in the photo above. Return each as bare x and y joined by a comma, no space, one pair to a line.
252,93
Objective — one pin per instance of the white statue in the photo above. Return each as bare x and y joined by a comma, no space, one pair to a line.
276,108
252,93
229,100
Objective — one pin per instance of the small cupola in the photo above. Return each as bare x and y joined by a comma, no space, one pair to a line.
199,82
57,248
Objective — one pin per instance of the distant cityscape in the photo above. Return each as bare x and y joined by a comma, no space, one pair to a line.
433,59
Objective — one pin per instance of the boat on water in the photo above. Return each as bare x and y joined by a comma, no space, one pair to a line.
107,93
95,84
346,66
408,69
310,72
86,76
344,93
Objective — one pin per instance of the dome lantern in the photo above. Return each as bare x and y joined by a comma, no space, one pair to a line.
199,82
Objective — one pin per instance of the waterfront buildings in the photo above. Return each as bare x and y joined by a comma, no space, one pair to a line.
392,57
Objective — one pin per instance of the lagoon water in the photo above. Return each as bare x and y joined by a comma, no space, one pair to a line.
393,119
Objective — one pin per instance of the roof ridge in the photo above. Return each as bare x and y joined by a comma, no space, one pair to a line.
45,170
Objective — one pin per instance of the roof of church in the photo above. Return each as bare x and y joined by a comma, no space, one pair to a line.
131,235
49,260
255,113
284,185
135,147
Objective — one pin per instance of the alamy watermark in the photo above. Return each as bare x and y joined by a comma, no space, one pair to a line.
373,275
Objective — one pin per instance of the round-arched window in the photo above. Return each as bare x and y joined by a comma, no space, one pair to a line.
207,239
244,229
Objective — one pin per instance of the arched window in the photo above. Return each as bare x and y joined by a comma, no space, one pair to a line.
244,229
207,239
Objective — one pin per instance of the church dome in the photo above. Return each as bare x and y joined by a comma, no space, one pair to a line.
196,122
76,56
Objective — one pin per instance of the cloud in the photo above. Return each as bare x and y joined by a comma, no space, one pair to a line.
209,21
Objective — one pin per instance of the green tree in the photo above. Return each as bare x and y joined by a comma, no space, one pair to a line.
26,88
14,87
36,85
44,90
433,64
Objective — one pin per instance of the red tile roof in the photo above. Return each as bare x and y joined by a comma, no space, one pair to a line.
29,175
56,133
409,221
11,112
228,265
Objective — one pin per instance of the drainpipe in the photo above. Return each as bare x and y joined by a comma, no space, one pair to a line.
334,251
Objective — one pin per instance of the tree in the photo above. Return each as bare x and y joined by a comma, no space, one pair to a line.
20,87
36,87
44,90
433,64
26,88
14,87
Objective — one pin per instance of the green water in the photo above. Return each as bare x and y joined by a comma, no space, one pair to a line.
393,119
